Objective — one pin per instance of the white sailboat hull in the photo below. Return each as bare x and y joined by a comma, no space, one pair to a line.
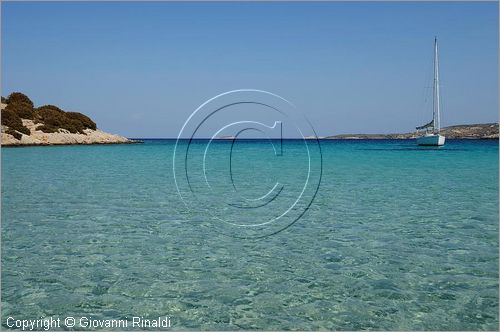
431,140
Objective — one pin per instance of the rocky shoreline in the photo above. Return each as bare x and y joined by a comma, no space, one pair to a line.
62,137
24,125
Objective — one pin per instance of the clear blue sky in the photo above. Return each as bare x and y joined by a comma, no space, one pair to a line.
140,69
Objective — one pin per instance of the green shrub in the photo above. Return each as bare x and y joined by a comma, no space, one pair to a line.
54,118
50,107
83,119
50,115
24,130
48,129
75,126
14,133
13,121
23,109
4,100
19,97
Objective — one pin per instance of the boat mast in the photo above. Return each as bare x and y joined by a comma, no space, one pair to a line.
435,106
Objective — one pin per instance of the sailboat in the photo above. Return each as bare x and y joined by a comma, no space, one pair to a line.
429,133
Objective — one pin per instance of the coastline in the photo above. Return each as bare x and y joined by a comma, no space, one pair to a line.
39,138
24,125
68,144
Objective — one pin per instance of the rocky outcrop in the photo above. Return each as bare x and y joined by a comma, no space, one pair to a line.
480,131
63,137
11,137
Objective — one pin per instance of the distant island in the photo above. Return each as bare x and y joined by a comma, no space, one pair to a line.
470,131
23,124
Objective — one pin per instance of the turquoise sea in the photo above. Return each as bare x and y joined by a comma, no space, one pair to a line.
397,237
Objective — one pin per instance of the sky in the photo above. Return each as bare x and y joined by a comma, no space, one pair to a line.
140,69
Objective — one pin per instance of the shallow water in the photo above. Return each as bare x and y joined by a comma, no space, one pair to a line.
397,237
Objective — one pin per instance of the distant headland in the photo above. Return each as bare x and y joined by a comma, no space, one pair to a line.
24,124
468,131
